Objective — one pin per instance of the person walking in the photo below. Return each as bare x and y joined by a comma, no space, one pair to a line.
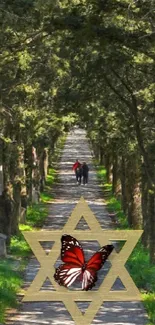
77,169
85,170
79,174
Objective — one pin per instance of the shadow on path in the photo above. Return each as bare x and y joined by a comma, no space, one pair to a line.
67,194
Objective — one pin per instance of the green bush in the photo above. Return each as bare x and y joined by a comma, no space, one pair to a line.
36,215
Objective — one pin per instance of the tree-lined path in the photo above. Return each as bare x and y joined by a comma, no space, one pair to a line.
67,193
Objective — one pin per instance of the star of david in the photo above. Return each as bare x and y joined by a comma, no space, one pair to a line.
69,297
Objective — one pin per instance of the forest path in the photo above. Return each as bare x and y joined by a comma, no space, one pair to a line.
67,194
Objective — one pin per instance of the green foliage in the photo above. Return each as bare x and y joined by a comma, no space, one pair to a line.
113,205
54,73
57,152
10,283
10,277
149,303
138,264
19,247
47,196
10,280
51,177
143,273
102,174
36,215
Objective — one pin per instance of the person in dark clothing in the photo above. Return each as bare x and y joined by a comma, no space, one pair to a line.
79,174
77,167
85,170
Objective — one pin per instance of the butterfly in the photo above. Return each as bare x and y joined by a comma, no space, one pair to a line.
75,267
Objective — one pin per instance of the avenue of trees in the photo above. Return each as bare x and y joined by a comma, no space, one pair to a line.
88,58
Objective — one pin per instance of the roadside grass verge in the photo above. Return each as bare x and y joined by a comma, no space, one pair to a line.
47,196
12,267
59,146
36,215
10,283
140,269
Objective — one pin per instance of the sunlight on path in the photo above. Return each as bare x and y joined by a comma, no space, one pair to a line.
67,194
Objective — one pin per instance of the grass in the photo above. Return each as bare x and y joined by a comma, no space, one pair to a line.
149,303
10,283
11,268
36,215
114,206
142,272
60,144
47,196
11,279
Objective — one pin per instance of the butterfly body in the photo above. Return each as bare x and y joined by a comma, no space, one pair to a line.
75,267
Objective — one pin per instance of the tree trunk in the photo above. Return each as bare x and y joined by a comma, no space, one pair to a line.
7,205
1,179
17,209
46,163
43,168
134,192
96,151
1,167
101,155
152,226
123,186
18,181
108,168
6,163
115,174
29,170
144,204
136,207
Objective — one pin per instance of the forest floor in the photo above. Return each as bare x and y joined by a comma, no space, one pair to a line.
66,195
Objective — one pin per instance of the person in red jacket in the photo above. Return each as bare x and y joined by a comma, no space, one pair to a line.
77,167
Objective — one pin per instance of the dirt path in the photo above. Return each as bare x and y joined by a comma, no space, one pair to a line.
67,194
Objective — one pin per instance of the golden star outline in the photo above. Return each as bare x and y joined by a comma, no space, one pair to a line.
69,297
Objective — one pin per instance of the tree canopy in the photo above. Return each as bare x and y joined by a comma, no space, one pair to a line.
91,61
